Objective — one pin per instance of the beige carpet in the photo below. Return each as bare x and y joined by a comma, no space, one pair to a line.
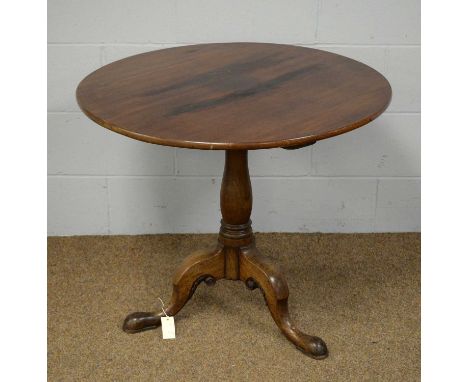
360,293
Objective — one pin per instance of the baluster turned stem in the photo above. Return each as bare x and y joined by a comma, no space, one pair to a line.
236,206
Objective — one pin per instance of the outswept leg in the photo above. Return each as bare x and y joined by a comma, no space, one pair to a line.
207,266
259,271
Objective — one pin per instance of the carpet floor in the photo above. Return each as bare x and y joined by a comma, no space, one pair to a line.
359,292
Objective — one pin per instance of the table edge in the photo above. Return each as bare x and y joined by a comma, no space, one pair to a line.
238,145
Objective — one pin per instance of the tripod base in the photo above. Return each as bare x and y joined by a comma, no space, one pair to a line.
235,258
255,270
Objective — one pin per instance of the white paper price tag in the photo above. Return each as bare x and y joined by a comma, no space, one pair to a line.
168,327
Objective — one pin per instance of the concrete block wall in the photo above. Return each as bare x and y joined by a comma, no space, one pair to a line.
367,180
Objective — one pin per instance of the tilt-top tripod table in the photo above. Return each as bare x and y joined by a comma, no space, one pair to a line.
234,97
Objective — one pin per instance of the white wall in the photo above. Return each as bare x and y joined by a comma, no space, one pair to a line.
367,180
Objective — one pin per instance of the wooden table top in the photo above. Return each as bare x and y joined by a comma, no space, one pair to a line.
234,96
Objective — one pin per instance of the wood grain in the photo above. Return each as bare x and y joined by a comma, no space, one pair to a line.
234,96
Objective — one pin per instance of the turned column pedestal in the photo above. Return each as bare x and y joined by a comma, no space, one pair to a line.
235,258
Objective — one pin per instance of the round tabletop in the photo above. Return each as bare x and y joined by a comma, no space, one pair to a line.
234,96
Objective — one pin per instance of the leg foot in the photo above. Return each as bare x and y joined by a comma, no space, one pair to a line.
140,321
259,271
207,266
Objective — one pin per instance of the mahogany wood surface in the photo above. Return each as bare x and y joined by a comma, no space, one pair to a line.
234,96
